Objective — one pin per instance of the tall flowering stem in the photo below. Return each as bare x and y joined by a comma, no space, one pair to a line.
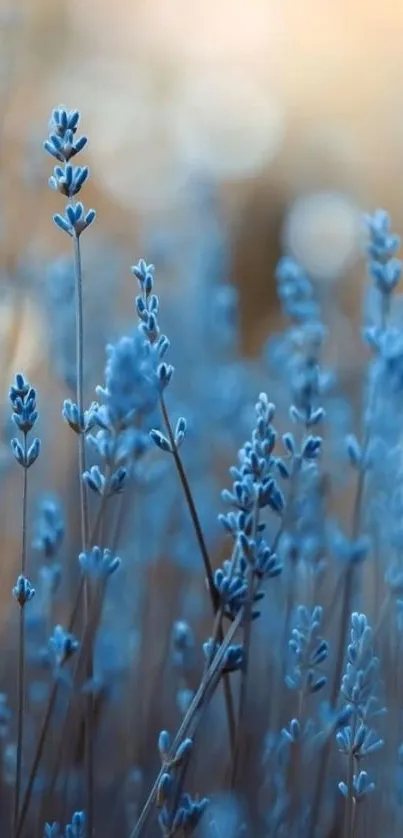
23,402
147,305
254,489
63,145
385,271
357,740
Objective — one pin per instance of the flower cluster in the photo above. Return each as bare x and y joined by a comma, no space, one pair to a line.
180,814
308,651
359,689
67,178
25,415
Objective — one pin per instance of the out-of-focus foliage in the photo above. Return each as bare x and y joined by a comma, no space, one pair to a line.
201,463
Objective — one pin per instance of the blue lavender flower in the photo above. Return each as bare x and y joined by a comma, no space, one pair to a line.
179,812
23,591
67,178
50,529
62,645
383,245
295,291
98,564
131,385
359,691
52,830
147,307
25,415
362,786
182,643
308,651
233,658
360,681
76,829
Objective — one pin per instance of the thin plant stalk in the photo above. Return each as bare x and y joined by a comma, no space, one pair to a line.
345,584
247,638
192,508
212,676
189,723
356,522
349,829
52,698
84,513
345,611
207,565
21,649
68,722
83,653
37,759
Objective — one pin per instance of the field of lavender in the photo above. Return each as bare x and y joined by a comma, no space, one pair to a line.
208,629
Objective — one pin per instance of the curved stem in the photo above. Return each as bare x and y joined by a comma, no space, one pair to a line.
192,508
206,562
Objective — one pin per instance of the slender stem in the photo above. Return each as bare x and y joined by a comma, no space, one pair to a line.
345,583
65,727
21,702
84,511
85,648
188,726
52,697
247,637
37,759
209,682
21,649
356,520
206,561
349,576
192,508
350,805
24,514
346,607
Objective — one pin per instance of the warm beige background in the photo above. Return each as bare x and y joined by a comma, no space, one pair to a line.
270,99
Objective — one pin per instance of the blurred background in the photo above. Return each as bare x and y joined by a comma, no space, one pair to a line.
221,134
290,109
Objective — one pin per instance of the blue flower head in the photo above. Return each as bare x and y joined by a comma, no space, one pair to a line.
98,564
383,267
131,385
